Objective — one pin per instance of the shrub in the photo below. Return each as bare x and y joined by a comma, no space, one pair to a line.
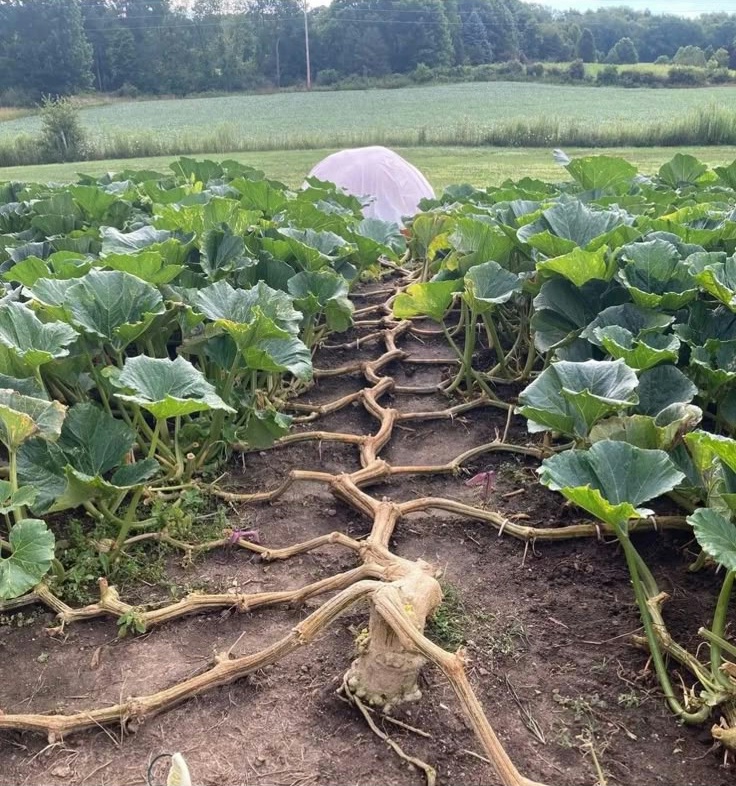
687,77
690,56
607,76
484,73
328,76
576,70
421,74
510,68
721,56
62,136
14,97
127,90
720,76
662,60
535,70
628,77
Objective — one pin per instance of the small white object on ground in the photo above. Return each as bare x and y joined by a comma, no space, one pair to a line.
179,772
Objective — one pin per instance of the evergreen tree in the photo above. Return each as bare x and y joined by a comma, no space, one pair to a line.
454,20
585,49
475,40
122,57
48,49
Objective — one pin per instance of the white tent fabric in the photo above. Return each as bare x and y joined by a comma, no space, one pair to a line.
395,185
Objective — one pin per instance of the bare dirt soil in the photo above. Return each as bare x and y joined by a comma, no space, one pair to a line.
547,628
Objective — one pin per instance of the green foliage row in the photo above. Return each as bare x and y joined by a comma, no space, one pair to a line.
614,298
152,323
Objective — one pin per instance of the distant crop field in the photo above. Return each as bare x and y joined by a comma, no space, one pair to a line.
460,114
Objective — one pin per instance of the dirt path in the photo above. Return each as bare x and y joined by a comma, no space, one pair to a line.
547,629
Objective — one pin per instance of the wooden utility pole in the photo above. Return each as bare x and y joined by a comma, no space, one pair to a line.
306,46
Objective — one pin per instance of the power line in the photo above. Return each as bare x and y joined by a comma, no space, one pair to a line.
261,20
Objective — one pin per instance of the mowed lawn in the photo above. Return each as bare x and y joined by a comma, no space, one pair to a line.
442,165
454,112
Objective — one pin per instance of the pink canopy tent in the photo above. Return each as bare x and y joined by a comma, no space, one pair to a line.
395,185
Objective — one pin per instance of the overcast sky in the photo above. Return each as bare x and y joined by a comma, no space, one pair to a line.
682,7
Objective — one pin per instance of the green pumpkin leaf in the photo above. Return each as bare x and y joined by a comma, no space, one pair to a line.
682,170
32,552
92,444
580,266
716,277
716,536
640,354
29,339
115,307
571,397
323,292
611,479
488,285
22,417
705,446
602,173
663,432
167,388
149,266
661,386
655,275
431,299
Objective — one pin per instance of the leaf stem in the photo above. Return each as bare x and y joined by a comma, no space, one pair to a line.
633,561
719,629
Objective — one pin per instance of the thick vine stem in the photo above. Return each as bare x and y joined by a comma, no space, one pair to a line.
385,672
110,604
135,710
388,603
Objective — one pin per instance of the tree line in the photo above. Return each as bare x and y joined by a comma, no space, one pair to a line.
63,47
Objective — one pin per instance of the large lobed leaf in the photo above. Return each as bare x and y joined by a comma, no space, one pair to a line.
640,354
431,299
655,275
86,461
32,551
167,388
113,306
716,273
571,397
611,479
581,266
220,301
716,535
23,417
323,291
602,173
488,285
31,340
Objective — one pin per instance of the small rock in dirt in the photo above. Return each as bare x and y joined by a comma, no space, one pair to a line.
62,771
483,672
331,512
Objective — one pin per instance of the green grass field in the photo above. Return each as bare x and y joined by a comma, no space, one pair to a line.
461,114
441,165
